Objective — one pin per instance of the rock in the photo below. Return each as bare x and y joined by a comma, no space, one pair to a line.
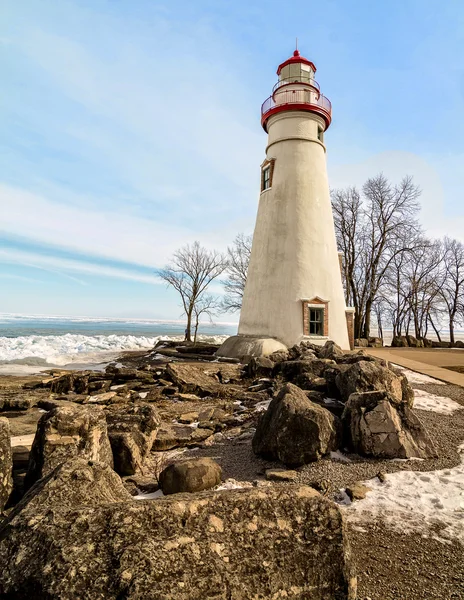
65,432
361,342
375,342
63,384
18,402
399,341
192,417
191,379
414,342
294,430
366,376
104,398
357,491
330,350
259,366
309,382
177,436
76,482
245,543
278,356
132,429
194,475
281,475
458,344
375,425
382,476
6,463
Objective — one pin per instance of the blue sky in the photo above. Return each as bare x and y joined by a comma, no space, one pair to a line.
129,128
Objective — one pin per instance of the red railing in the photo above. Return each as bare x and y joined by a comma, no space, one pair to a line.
309,82
301,99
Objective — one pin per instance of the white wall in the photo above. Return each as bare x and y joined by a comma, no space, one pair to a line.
294,254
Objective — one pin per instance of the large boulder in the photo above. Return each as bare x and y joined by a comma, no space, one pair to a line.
361,342
132,430
6,462
368,376
399,341
249,543
295,430
76,482
65,432
194,475
375,425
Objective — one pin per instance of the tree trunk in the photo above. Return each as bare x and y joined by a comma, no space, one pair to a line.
437,333
188,336
196,331
451,330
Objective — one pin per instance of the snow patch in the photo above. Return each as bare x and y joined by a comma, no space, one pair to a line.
150,496
440,404
262,406
337,455
233,484
412,501
420,378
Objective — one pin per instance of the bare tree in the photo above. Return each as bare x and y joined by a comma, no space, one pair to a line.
190,272
453,284
238,259
371,234
206,305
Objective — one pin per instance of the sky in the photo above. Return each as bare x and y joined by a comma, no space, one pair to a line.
131,128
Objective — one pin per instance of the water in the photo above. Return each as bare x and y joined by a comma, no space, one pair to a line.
32,343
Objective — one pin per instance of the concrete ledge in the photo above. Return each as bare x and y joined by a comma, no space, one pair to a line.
243,346
397,356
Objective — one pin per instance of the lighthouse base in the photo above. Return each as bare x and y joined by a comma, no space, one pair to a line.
244,347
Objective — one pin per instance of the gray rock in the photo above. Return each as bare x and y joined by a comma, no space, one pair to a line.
132,429
366,376
357,491
281,475
194,475
259,366
330,350
399,341
361,342
249,543
375,342
375,425
294,430
178,436
65,432
6,463
76,482
278,356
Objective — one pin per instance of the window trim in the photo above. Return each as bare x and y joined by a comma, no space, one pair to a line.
268,165
315,303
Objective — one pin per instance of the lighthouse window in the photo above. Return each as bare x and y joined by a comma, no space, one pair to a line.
320,134
316,321
266,178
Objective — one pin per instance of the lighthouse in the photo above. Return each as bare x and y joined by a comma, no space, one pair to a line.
294,288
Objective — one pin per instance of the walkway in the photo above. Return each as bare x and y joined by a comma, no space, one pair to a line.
429,361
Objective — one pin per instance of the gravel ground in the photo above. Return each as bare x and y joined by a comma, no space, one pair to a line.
390,566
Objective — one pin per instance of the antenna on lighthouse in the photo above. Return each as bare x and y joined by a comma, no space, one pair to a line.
296,44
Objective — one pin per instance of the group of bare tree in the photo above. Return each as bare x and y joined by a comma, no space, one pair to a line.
394,276
392,272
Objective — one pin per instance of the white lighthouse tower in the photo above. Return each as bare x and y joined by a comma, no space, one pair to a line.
294,288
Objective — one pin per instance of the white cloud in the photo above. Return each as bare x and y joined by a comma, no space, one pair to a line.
52,263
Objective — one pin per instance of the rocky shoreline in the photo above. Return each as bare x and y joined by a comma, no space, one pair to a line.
177,418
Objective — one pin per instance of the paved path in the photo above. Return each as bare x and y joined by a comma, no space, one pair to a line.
429,361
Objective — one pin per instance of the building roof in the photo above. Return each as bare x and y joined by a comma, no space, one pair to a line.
296,58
